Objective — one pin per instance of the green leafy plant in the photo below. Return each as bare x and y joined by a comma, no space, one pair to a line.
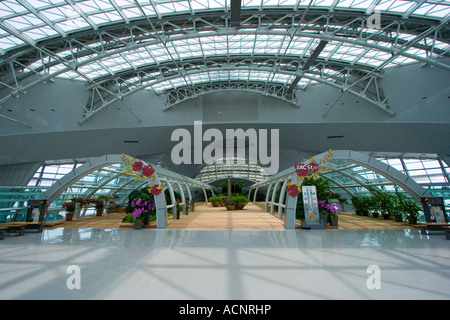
215,199
239,199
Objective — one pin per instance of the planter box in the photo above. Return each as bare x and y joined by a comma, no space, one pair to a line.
240,205
230,208
334,221
215,204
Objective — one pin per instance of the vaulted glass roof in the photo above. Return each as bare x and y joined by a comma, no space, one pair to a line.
122,46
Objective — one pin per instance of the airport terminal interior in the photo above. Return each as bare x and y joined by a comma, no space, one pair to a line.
224,149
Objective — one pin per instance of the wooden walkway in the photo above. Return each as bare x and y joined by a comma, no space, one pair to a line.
252,216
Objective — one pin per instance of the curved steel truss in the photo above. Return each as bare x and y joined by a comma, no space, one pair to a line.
182,48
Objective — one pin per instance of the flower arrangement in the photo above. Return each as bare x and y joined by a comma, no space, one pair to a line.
99,203
141,206
141,172
306,170
329,209
82,201
69,206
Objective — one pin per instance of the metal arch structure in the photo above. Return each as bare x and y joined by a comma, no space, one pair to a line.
102,53
169,178
289,205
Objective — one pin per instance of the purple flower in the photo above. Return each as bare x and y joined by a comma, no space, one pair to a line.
137,212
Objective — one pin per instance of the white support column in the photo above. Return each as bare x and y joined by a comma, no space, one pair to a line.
266,207
191,204
272,207
281,204
206,196
172,199
183,198
254,196
289,217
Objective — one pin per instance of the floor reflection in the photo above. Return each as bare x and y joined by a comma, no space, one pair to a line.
224,264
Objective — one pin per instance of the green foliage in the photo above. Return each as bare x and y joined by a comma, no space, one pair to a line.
322,190
129,218
215,199
240,199
138,194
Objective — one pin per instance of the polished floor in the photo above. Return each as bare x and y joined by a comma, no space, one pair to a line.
203,264
253,216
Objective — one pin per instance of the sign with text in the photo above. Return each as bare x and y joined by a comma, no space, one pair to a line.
310,204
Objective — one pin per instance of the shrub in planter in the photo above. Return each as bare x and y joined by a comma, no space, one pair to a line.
361,204
241,202
230,205
411,209
386,202
215,201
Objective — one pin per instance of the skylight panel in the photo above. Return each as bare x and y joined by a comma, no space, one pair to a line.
20,23
439,11
72,24
181,6
132,12
9,42
251,3
164,8
40,33
394,6
101,18
354,4
92,6
11,7
323,3
57,14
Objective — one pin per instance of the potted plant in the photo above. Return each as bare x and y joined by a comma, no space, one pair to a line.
241,202
70,208
330,210
397,207
383,200
411,209
215,201
230,205
99,205
361,204
142,209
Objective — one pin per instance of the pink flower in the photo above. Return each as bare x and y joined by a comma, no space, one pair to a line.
292,190
137,166
155,190
148,170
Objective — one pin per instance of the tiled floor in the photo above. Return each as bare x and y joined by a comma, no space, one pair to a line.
252,217
116,263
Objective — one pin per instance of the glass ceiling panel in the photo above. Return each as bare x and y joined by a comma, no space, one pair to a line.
35,20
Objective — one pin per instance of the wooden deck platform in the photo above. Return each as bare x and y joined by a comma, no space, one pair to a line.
252,216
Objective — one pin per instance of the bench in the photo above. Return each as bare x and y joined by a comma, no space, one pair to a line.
2,232
432,226
447,232
18,228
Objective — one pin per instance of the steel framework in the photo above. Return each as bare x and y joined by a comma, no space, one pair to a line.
190,48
